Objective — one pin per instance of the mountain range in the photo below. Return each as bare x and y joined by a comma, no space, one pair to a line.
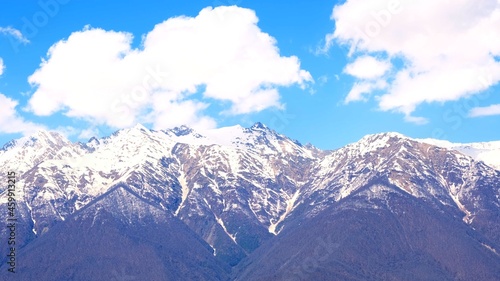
239,203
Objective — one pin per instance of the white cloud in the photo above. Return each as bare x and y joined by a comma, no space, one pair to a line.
14,33
416,119
88,133
67,131
167,113
96,75
361,89
2,66
448,49
11,122
367,67
491,110
323,79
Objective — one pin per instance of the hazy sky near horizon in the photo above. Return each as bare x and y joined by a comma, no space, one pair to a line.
324,72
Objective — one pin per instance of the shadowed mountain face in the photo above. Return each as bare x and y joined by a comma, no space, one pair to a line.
249,204
401,239
104,241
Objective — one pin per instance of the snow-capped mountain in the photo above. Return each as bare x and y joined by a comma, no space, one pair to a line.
242,191
488,152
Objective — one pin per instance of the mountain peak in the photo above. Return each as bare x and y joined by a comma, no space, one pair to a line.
374,142
140,127
259,126
387,135
383,138
93,142
488,152
9,144
43,136
182,130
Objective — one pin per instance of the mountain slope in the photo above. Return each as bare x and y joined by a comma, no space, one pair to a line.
400,239
119,233
388,208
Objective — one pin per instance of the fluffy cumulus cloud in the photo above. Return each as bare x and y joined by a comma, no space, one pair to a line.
439,50
88,133
182,65
367,67
10,121
359,91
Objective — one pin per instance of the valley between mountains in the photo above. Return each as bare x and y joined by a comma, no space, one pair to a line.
240,203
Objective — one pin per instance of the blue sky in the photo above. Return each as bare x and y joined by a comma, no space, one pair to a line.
323,72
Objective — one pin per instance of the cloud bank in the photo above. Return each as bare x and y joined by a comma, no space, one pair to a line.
441,50
182,66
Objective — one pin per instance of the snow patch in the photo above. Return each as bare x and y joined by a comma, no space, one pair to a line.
184,190
221,223
290,204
